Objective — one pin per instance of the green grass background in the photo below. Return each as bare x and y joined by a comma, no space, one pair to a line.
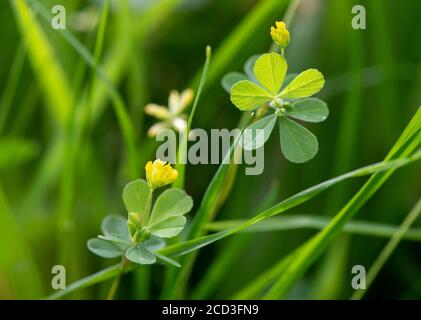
70,141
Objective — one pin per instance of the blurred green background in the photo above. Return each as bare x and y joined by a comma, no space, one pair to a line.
64,158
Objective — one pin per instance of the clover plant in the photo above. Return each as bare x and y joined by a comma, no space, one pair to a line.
139,237
276,96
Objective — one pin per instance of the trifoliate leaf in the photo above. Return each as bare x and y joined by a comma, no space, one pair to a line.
140,255
297,143
310,109
304,85
270,70
246,95
230,79
252,139
104,248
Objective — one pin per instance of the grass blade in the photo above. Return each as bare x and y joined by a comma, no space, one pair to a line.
51,77
364,228
387,251
293,201
176,279
16,263
182,156
312,249
95,278
226,258
191,245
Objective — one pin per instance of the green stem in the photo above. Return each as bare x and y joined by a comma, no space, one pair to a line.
116,282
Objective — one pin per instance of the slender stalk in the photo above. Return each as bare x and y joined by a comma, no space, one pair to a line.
182,152
388,249
116,282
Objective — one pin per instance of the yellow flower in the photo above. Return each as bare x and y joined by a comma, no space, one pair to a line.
159,173
280,34
172,116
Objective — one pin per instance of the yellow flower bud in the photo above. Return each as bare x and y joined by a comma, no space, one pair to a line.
159,173
280,34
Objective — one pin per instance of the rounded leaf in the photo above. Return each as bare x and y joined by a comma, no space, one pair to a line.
104,248
297,143
169,227
167,214
306,84
246,95
171,203
140,255
270,70
154,243
115,225
135,195
310,109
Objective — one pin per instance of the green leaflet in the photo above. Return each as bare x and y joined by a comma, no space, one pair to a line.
298,144
310,110
140,255
135,195
135,198
114,224
170,227
270,70
167,218
306,84
246,95
104,248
